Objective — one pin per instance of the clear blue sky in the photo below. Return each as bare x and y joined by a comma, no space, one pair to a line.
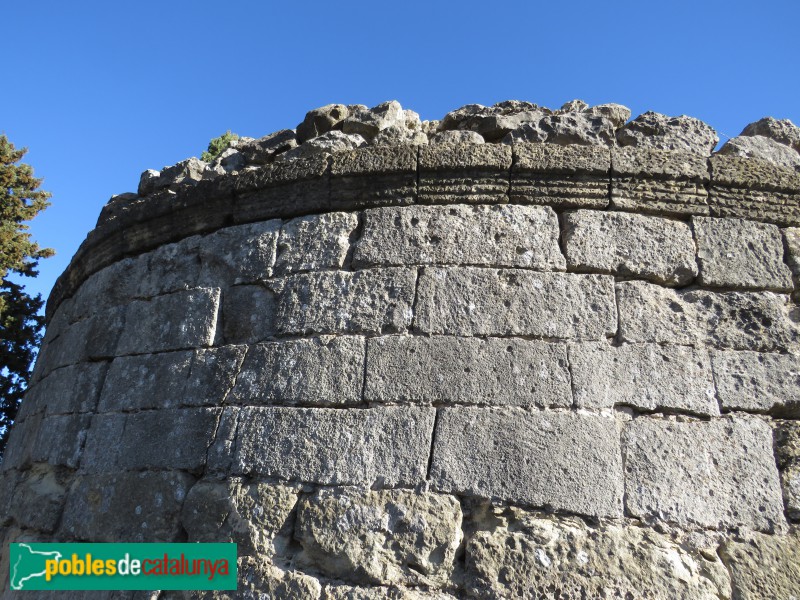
100,91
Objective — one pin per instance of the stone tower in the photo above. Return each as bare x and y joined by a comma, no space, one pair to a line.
516,353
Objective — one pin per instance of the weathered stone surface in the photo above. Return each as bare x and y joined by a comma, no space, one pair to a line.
102,442
59,440
248,314
719,474
727,320
467,371
566,559
170,322
384,537
39,498
644,376
661,250
762,148
563,176
346,592
791,245
255,516
565,461
764,566
72,389
493,122
741,254
135,507
758,382
659,181
475,301
457,137
93,338
397,136
654,130
616,113
321,120
782,131
374,175
463,173
315,242
506,235
240,254
172,379
370,301
321,371
263,150
566,129
388,446
327,143
369,122
787,451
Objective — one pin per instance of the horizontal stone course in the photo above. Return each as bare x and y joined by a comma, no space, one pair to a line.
660,250
386,446
476,301
500,235
463,173
758,382
374,175
467,371
72,389
561,460
719,474
643,376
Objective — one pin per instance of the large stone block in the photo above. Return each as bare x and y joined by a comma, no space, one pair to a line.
504,235
327,370
563,176
564,461
174,321
644,376
719,473
59,440
240,254
255,516
72,389
374,175
735,320
654,248
384,537
758,382
740,254
315,242
370,301
248,314
476,301
463,173
388,446
102,441
39,498
171,379
764,566
135,507
564,558
467,371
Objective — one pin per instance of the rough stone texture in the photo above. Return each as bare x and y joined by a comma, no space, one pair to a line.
492,122
327,143
564,176
387,446
740,254
374,175
660,132
241,254
564,461
322,371
321,120
346,592
255,516
762,148
370,301
758,382
783,131
463,173
135,507
73,389
369,122
457,137
39,498
384,537
171,379
315,243
653,248
764,566
571,128
512,236
474,301
467,371
726,320
248,314
263,150
659,181
566,559
718,474
644,376
791,246
787,451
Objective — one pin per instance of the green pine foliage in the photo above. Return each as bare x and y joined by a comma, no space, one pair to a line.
218,145
20,324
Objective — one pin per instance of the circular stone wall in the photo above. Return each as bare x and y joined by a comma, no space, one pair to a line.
427,372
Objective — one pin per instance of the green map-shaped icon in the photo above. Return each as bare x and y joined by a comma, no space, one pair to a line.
27,564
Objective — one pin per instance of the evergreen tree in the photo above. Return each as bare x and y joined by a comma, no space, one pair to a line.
20,325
